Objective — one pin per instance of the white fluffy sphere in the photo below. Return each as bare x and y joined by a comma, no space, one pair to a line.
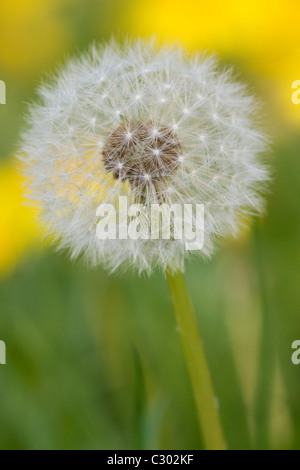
155,126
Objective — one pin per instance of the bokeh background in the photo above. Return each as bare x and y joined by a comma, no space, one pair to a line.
94,361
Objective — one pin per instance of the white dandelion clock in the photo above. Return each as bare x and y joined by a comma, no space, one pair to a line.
151,126
154,135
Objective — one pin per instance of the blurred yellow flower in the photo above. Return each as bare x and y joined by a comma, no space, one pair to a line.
32,35
263,33
18,229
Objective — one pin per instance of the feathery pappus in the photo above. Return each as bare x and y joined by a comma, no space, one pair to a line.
152,125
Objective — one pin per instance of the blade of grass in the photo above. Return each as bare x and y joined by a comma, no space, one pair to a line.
266,362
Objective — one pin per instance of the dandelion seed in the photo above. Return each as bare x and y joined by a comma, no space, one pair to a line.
139,151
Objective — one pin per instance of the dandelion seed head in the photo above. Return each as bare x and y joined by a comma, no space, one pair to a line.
139,121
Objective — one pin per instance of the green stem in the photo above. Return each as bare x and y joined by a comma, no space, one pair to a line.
208,415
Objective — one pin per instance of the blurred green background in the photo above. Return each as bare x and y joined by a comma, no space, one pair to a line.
94,361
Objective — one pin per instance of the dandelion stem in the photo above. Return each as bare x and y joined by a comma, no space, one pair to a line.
208,415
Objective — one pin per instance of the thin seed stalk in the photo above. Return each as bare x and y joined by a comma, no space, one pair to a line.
196,363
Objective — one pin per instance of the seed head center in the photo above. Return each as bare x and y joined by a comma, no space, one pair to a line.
134,150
